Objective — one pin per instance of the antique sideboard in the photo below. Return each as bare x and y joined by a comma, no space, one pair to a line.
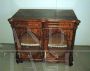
44,35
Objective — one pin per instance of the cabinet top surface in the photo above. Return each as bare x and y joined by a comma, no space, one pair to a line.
27,14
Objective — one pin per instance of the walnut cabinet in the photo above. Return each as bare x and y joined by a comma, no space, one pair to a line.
44,35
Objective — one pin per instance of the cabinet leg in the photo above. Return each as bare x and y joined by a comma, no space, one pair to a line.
70,63
18,60
71,59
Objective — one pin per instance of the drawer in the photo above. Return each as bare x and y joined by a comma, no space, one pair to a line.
29,24
33,24
67,25
51,25
19,24
63,25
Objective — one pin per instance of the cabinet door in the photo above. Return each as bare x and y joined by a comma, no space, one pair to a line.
56,43
31,42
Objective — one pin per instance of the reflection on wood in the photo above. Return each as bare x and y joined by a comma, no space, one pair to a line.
28,40
57,40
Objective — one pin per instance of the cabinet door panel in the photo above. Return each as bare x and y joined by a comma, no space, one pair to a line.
57,44
31,42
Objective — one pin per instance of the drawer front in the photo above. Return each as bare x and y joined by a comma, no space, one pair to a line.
67,25
35,24
19,24
62,25
29,24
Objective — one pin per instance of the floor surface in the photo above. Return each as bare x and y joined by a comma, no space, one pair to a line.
8,63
